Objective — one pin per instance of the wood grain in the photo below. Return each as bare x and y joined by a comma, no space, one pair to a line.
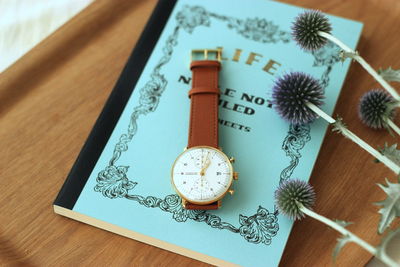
50,99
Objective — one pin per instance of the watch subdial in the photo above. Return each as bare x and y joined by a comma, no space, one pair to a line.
199,161
201,185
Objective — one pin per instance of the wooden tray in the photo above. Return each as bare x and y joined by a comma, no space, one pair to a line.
50,99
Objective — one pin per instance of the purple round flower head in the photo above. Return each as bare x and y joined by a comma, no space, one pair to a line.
374,108
290,194
305,29
291,93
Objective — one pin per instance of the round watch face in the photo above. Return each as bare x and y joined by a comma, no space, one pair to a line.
202,175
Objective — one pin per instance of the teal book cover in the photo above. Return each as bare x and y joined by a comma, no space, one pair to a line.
121,180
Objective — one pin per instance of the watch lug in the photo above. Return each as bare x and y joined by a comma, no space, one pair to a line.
185,148
184,203
232,159
219,203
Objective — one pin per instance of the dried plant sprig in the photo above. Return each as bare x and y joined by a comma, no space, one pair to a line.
293,198
390,207
384,243
350,237
355,55
391,152
340,127
294,96
376,110
313,31
390,75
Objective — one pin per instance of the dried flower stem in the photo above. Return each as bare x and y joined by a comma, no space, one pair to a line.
346,132
353,238
321,113
393,126
363,63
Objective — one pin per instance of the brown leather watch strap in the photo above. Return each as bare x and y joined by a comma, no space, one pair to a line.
204,95
211,206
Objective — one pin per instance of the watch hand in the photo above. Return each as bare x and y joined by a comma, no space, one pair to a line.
203,170
207,164
202,165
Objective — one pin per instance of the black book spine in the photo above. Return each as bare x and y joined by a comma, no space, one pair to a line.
114,106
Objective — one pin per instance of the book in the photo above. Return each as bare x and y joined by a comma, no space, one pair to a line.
120,181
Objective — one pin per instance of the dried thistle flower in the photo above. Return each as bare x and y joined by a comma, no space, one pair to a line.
374,108
297,97
291,93
294,199
312,29
305,29
291,195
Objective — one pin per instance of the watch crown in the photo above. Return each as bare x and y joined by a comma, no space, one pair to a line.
232,159
231,191
235,175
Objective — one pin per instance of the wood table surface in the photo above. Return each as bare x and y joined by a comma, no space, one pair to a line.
51,97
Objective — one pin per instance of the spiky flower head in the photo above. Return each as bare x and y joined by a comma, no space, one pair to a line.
291,194
305,29
374,108
290,94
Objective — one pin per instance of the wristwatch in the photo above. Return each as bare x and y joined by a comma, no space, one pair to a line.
202,175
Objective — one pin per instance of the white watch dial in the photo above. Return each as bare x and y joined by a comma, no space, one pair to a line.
202,174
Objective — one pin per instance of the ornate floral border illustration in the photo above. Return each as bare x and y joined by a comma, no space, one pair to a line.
113,182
